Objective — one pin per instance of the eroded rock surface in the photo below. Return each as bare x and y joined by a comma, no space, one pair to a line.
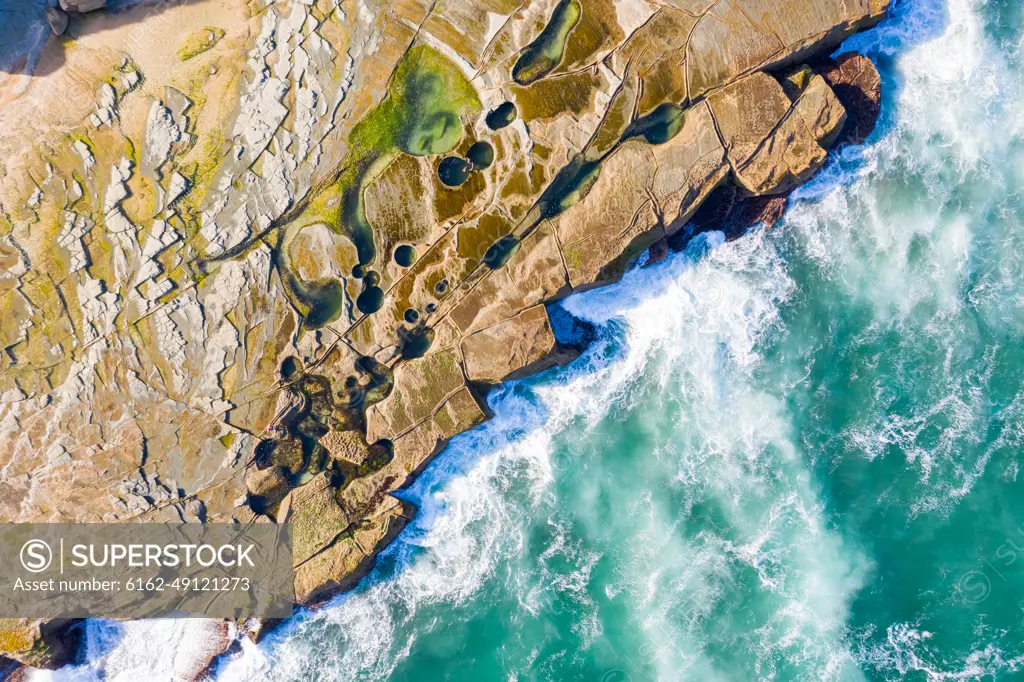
239,278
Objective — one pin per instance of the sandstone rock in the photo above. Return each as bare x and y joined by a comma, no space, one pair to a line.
773,145
737,36
821,111
379,528
537,270
747,112
269,485
244,514
339,567
413,450
422,387
522,345
344,563
315,516
346,446
643,192
57,19
857,84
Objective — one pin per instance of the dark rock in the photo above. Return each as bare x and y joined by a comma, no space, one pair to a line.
657,253
754,210
57,19
858,86
715,210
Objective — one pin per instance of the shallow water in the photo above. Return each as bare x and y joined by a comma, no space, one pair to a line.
790,457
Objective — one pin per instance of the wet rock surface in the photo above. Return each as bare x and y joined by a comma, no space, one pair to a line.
257,297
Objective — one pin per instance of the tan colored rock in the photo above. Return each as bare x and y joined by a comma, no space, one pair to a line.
688,168
747,112
422,386
821,111
344,563
378,529
493,299
340,567
737,36
245,514
787,159
522,345
644,192
413,451
537,269
346,446
772,144
270,485
315,516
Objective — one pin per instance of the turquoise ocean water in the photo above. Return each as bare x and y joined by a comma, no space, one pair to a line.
791,457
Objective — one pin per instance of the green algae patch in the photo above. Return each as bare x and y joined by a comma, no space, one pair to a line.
546,52
200,42
421,116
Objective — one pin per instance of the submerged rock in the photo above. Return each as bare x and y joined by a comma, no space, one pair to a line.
57,19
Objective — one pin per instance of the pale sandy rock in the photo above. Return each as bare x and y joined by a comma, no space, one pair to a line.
347,446
315,516
421,387
162,133
747,112
821,111
524,344
737,36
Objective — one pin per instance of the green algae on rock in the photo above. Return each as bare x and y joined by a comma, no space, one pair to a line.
421,115
545,53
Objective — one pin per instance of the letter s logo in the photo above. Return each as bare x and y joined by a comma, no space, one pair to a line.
36,556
